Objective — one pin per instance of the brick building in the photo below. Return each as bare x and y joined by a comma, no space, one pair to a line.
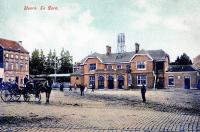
180,76
120,70
14,60
196,62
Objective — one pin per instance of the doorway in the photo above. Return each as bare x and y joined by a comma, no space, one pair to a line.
187,82
110,82
120,82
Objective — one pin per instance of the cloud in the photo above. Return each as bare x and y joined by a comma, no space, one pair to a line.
70,27
148,16
176,23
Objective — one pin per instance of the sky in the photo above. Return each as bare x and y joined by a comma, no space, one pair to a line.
86,26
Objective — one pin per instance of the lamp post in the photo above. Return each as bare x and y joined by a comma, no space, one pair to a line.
56,61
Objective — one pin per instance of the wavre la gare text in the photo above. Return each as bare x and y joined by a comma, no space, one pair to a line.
49,7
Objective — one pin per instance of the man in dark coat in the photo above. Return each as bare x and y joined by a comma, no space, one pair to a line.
61,86
70,87
143,91
93,87
25,80
82,87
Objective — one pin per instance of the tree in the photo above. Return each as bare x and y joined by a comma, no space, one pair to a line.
41,64
37,62
49,68
184,59
66,62
42,60
34,62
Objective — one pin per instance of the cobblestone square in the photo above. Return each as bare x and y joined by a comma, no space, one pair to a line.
105,110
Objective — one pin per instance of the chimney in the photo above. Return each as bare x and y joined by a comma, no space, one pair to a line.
137,47
20,42
108,49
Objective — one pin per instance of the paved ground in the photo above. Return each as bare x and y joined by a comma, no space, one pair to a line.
106,110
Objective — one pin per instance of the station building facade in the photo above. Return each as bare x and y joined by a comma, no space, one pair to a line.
122,70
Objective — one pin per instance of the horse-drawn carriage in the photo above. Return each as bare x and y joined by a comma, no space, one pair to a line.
12,92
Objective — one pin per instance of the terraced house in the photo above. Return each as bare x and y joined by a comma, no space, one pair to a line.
122,70
14,61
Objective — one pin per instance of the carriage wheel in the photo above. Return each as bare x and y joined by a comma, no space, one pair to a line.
15,96
5,95
27,97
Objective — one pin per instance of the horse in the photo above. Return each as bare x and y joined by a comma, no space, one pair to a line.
39,86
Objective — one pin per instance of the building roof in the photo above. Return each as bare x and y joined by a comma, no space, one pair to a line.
11,45
157,55
181,68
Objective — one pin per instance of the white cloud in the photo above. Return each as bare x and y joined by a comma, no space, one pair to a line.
176,23
68,28
148,16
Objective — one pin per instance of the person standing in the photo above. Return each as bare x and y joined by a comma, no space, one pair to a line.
25,80
93,87
143,91
70,87
61,86
82,87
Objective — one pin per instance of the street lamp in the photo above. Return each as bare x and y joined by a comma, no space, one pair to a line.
56,65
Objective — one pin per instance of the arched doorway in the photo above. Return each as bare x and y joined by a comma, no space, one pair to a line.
120,82
110,82
101,82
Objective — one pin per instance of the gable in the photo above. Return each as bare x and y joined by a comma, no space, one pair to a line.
92,60
141,57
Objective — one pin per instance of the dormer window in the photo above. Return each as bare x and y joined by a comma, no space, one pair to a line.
119,67
92,67
109,67
141,65
128,66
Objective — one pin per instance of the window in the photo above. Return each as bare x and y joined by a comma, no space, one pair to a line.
171,81
26,58
17,66
22,57
91,80
141,79
128,66
10,66
119,66
109,67
11,56
6,65
21,66
77,78
6,55
141,65
92,67
17,57
76,68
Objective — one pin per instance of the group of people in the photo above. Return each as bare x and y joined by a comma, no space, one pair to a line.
83,88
